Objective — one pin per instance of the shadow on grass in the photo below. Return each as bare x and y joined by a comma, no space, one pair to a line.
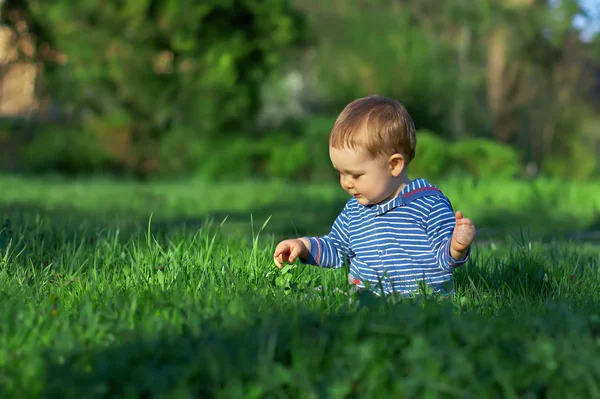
292,354
230,358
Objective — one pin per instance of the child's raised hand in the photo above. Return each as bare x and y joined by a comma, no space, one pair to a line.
288,251
464,234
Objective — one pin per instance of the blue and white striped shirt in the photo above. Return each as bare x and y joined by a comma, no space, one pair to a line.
397,243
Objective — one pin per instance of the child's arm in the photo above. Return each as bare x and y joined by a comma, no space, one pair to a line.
441,223
462,237
333,249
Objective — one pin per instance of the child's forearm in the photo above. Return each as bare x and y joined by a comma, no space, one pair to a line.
323,252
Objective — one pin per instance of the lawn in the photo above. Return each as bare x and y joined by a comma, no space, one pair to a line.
118,289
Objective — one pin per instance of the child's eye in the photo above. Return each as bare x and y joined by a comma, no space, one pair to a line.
356,176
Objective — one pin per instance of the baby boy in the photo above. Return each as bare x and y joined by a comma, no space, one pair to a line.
395,232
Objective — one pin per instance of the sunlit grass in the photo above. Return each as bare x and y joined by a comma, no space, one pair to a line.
539,206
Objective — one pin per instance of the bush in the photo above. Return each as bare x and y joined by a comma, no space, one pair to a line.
575,145
484,159
63,149
432,156
437,158
298,151
226,158
302,152
288,155
195,64
578,163
316,131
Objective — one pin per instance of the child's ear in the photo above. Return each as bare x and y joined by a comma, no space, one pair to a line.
396,162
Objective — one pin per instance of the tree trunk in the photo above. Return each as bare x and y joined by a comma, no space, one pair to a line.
462,60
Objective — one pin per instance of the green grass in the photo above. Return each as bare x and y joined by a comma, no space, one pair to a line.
498,207
98,305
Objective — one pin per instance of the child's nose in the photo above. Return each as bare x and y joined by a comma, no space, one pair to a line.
346,182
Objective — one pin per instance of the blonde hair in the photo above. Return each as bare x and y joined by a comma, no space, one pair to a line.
377,124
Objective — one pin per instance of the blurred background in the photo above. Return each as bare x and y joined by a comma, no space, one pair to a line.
232,90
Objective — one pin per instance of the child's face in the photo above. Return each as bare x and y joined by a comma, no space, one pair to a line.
371,181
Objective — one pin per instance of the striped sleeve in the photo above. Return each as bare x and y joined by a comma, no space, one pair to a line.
333,249
440,227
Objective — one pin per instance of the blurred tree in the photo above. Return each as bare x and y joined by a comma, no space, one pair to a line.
502,69
367,47
161,84
21,61
534,65
137,70
459,26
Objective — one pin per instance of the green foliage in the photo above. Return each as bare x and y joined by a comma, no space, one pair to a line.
389,54
503,70
297,151
433,157
575,156
301,152
485,159
579,163
316,133
227,158
64,149
288,155
162,66
210,158
159,84
439,158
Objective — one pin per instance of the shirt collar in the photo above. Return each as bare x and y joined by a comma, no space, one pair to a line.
403,197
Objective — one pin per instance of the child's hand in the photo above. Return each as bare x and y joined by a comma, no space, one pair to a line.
287,251
464,234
